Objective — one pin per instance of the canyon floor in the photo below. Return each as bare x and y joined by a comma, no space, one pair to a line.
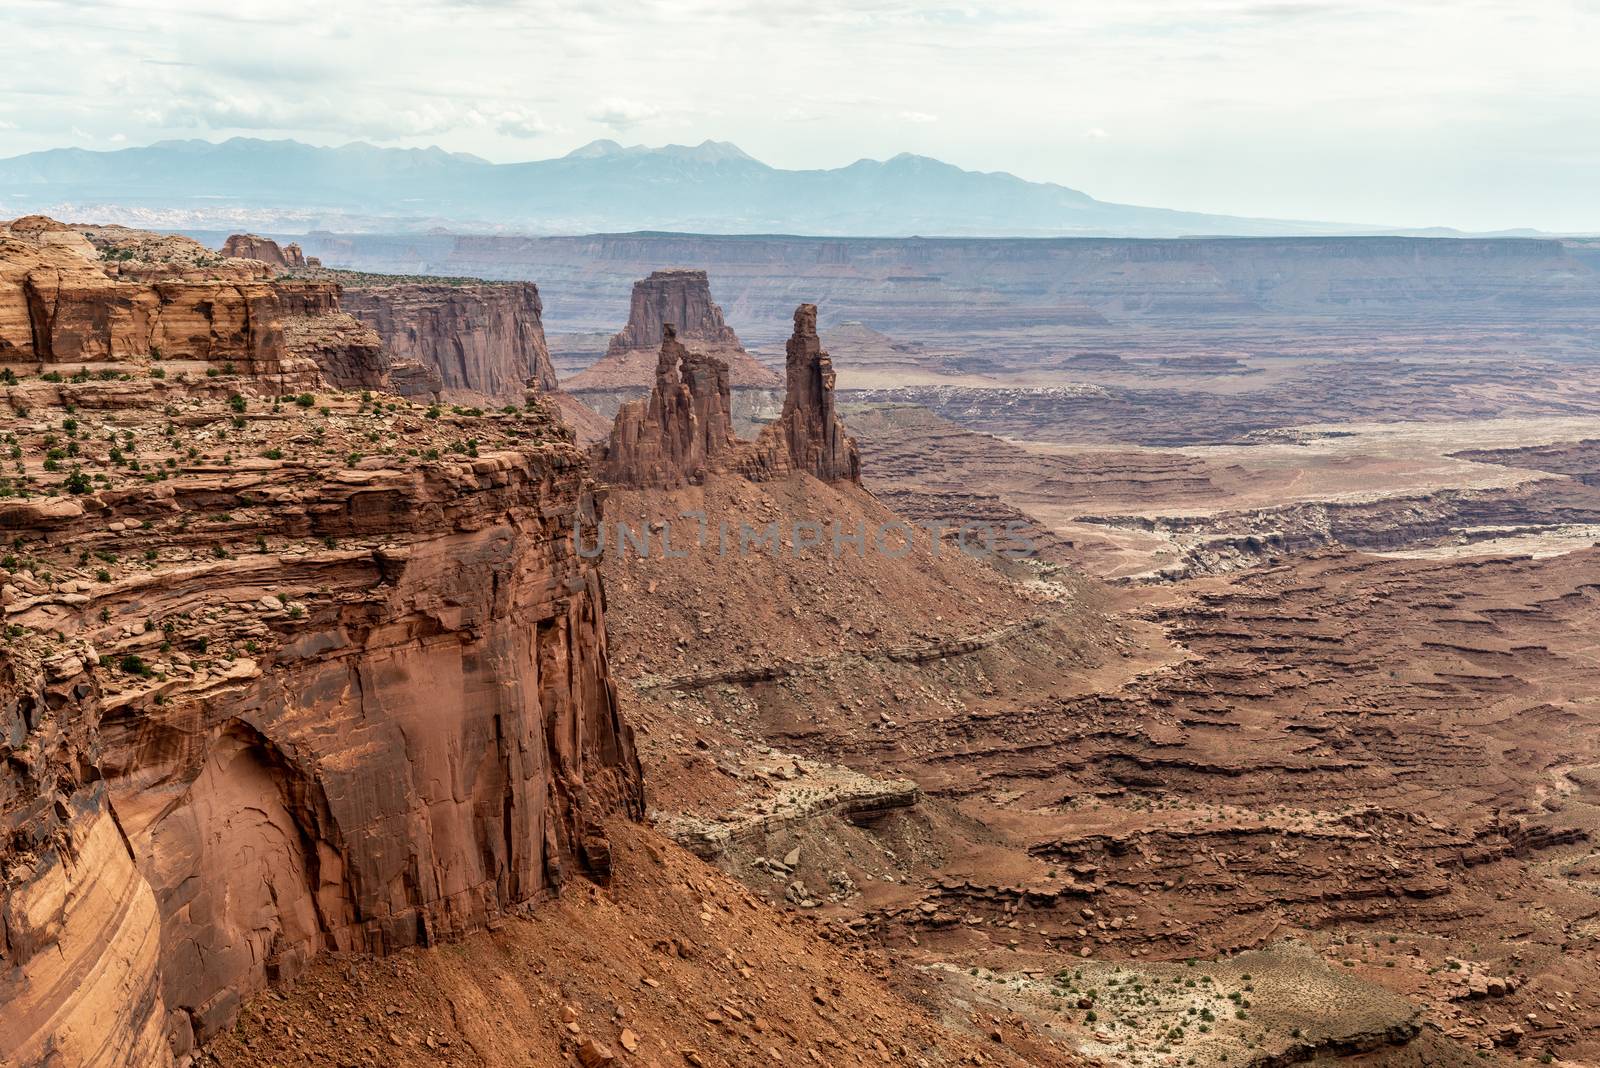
1281,749
1284,746
1281,746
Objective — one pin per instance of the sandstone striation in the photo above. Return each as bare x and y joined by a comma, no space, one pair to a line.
280,675
253,247
485,341
681,298
118,295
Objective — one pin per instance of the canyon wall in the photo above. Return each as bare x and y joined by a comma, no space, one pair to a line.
485,341
921,284
276,679
254,247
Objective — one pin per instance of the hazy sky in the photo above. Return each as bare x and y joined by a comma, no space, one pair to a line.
1473,113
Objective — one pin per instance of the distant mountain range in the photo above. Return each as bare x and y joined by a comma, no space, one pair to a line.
713,187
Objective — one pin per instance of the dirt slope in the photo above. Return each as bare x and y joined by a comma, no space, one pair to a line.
674,964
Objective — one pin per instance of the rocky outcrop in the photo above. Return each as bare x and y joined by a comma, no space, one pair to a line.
351,355
78,303
682,431
682,299
278,680
812,432
57,307
685,429
253,247
484,341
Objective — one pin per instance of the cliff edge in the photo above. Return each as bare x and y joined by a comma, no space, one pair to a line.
286,668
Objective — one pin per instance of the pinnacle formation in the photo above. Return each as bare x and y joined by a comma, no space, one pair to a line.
683,430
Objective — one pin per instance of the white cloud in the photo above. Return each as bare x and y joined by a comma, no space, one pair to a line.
621,114
520,122
197,106
1479,114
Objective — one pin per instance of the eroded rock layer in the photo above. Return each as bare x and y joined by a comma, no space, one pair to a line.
682,299
254,247
685,430
280,676
485,341
810,425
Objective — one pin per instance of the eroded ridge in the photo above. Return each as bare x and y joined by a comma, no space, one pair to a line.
286,669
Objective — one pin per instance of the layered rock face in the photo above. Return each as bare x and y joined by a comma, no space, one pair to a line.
811,429
72,303
923,287
59,306
277,679
682,430
683,299
685,431
253,247
485,341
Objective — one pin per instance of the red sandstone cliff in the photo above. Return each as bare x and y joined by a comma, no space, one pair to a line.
277,679
811,429
684,430
683,299
485,341
71,300
253,247
58,307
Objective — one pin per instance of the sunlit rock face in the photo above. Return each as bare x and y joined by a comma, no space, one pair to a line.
282,674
